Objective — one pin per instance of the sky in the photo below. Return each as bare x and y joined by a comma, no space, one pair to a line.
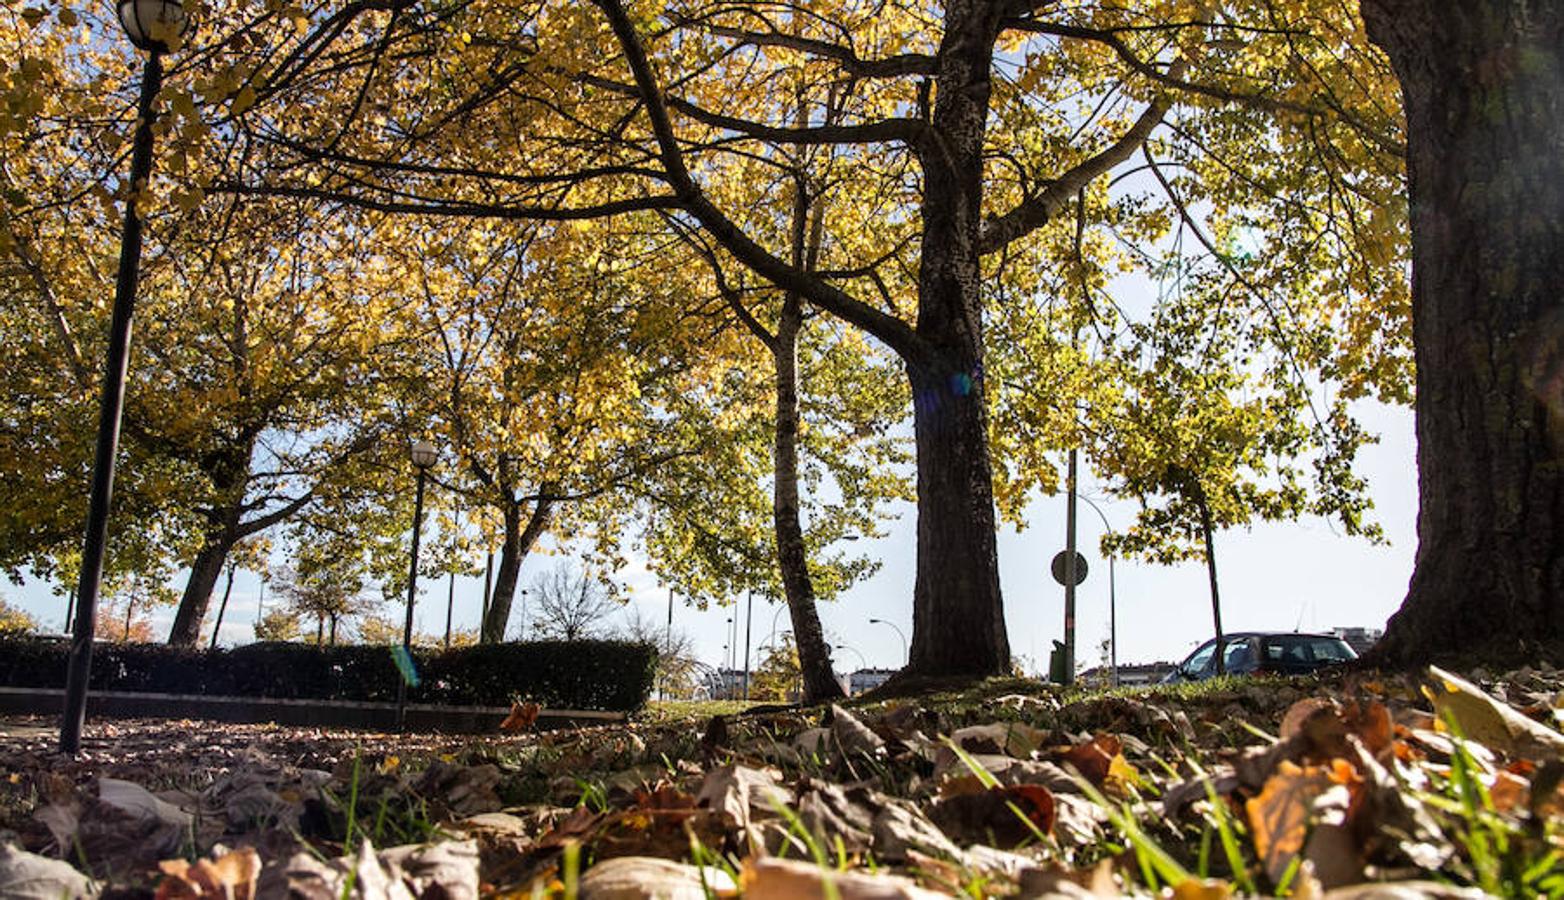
1276,576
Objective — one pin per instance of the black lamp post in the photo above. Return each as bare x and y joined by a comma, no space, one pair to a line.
155,26
424,456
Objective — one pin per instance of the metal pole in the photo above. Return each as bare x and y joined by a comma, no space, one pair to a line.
1069,572
749,619
668,643
222,608
1113,601
412,590
110,405
898,634
450,596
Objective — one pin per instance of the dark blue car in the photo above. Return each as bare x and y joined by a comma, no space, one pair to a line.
1255,652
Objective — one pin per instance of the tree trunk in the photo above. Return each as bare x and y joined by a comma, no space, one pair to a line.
517,544
814,655
958,624
205,569
1483,83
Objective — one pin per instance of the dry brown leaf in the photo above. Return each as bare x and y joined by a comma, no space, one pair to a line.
1003,816
522,717
781,879
652,878
1094,758
852,735
1279,817
1371,723
230,876
1007,738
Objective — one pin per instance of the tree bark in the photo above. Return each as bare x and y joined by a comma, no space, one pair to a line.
517,544
958,619
1483,84
205,570
814,655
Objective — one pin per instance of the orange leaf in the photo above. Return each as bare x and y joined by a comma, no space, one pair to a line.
1279,817
522,716
231,875
1094,759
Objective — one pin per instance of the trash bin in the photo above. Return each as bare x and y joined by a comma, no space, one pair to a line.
1056,664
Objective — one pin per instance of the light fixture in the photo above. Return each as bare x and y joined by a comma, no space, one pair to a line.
424,454
153,25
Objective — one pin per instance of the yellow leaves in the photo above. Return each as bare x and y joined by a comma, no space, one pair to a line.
1481,718
242,101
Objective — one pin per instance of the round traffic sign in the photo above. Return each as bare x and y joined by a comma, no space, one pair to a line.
1061,560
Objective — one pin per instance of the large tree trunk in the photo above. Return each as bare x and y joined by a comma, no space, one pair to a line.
958,624
814,655
1483,82
205,569
517,544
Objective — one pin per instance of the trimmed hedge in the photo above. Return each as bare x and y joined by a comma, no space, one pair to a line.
605,675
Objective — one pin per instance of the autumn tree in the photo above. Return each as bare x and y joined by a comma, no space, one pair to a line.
979,126
15,621
1483,83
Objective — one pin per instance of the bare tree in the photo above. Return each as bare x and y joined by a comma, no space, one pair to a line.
676,670
572,604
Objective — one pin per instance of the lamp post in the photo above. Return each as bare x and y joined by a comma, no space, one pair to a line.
155,26
898,634
424,456
1113,603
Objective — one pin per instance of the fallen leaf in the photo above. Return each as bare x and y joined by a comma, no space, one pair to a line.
852,735
1202,889
1280,816
27,876
1003,816
1008,738
651,878
781,879
522,717
228,876
1486,720
1094,758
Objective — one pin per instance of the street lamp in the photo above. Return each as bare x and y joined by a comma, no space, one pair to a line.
157,27
898,634
424,455
1113,625
862,660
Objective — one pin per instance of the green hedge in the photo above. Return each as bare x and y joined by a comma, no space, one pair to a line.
609,675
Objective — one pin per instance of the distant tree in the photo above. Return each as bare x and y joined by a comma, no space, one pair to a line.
279,625
15,621
676,663
777,677
571,604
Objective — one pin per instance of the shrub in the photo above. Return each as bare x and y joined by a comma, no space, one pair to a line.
611,675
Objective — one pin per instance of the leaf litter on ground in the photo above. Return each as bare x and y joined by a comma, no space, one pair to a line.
1347,787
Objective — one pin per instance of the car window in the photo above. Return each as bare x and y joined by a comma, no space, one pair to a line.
1303,648
1199,659
1239,656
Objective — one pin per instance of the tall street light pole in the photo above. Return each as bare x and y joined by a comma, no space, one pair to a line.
1113,603
155,26
749,620
424,456
898,634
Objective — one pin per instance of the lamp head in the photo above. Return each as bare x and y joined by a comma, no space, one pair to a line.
424,454
154,25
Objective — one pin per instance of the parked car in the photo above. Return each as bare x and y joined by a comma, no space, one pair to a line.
1275,652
